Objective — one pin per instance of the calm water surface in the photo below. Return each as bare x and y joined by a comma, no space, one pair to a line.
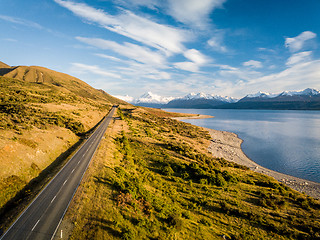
284,141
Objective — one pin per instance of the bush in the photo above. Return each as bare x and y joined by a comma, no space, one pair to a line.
167,171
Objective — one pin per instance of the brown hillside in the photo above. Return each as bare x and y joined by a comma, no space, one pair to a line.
3,65
43,113
65,82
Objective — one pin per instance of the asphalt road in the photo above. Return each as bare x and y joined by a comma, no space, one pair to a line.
43,216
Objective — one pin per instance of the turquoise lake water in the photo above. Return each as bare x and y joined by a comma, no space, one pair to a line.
284,141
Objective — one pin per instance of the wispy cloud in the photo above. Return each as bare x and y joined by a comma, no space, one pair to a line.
109,57
81,68
126,23
216,42
196,56
190,12
295,77
297,43
193,12
21,21
138,72
129,50
187,66
152,4
253,64
299,58
10,39
197,60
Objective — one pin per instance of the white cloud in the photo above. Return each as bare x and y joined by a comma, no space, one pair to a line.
197,60
126,98
137,72
84,68
216,42
299,58
196,56
21,21
87,12
187,66
126,23
225,67
253,63
129,50
193,12
298,76
108,57
152,4
262,49
240,74
297,43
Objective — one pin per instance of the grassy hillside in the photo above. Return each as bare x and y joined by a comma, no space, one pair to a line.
42,114
3,65
153,178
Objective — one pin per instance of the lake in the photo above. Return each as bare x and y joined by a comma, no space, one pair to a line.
284,141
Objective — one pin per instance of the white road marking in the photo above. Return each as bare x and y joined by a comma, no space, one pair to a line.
53,198
72,170
35,225
65,182
79,162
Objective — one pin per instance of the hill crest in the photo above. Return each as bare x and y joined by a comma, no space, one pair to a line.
65,82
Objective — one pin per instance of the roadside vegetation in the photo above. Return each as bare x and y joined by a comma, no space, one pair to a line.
153,178
41,122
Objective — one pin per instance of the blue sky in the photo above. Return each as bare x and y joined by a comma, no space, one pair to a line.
169,47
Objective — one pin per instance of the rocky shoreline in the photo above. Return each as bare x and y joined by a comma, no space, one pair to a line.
196,116
228,146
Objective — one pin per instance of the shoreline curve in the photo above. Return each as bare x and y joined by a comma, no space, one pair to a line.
227,145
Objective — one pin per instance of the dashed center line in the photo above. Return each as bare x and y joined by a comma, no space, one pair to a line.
65,182
53,198
78,162
35,225
72,170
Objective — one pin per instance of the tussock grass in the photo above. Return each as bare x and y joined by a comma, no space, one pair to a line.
43,114
154,179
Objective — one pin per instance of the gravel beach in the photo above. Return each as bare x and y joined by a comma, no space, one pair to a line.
228,146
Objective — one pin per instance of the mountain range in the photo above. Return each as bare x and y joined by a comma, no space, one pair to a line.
308,99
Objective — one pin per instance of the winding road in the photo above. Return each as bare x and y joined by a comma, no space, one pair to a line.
41,219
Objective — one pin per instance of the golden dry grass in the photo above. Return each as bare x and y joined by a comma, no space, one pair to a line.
149,180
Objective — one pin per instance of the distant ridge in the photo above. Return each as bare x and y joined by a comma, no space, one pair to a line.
308,99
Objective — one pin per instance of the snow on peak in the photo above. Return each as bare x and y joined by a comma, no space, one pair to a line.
150,97
195,96
308,91
208,96
262,95
226,99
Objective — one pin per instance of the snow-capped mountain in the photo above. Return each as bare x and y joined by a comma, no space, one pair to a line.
262,95
199,100
208,96
150,97
308,91
304,99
